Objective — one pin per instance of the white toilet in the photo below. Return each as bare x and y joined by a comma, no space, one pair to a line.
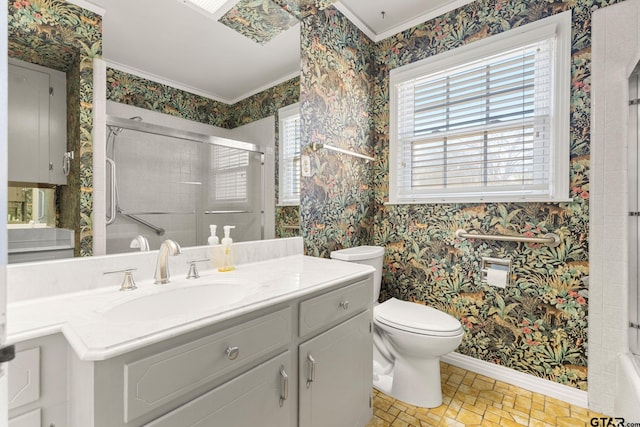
408,338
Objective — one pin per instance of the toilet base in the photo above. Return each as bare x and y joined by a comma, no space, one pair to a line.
414,381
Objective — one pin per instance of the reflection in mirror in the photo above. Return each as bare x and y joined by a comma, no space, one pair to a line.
164,183
31,206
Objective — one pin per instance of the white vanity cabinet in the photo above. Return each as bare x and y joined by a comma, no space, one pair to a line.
37,123
297,361
335,367
38,383
200,378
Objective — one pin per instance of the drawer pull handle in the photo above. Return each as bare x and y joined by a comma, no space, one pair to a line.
285,386
344,304
312,370
232,353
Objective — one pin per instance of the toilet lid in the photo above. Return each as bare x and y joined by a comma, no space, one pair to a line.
416,318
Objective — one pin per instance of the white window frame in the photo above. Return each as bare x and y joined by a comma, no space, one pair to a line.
228,163
284,197
558,25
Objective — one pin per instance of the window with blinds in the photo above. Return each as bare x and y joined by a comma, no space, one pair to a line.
230,174
481,126
289,155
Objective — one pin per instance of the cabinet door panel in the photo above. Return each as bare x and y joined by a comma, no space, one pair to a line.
30,419
24,378
339,395
28,117
252,399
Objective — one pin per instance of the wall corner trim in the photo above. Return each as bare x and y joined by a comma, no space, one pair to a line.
519,379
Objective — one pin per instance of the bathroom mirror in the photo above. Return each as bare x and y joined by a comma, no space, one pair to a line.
53,45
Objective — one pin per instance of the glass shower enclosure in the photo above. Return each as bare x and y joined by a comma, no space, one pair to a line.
634,212
164,183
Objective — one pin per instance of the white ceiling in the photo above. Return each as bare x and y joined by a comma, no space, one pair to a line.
171,43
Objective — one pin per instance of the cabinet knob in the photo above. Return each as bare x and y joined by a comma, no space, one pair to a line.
344,304
232,353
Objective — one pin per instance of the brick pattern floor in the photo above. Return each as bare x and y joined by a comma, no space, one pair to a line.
475,400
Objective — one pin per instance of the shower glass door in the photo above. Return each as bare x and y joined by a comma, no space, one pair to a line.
163,183
634,215
234,192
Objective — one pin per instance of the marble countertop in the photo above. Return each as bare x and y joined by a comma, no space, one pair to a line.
39,246
94,335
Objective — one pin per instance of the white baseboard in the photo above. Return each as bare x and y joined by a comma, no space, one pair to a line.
511,376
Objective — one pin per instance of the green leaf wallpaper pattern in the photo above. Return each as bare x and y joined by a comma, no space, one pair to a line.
538,325
301,9
259,20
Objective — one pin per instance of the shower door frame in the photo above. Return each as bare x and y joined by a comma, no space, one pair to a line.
155,129
634,212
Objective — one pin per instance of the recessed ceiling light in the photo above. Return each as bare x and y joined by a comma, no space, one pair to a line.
208,7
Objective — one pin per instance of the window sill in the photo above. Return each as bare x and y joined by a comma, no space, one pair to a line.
466,200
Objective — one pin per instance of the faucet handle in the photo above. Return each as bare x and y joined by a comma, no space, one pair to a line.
127,281
193,270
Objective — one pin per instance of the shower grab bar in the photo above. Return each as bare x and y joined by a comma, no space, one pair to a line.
224,212
159,213
291,227
549,239
113,211
158,230
316,147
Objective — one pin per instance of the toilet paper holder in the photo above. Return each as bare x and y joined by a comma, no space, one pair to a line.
496,271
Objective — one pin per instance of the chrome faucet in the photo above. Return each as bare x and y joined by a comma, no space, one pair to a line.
140,242
168,247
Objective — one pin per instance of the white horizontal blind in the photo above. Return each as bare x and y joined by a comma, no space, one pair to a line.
289,159
483,128
230,169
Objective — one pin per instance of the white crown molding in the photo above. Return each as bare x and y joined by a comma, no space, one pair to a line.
162,80
511,376
264,87
88,5
399,28
356,21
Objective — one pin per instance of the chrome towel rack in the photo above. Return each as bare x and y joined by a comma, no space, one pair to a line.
549,239
315,147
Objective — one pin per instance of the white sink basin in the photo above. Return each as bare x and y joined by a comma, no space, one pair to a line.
178,301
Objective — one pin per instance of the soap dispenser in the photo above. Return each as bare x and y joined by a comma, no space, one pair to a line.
227,262
213,238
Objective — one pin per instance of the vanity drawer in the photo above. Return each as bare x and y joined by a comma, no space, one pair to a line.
159,379
324,310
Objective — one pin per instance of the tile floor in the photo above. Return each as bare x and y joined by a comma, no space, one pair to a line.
475,400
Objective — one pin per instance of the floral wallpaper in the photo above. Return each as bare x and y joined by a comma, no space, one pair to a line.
538,324
260,20
129,89
336,95
59,35
263,104
301,9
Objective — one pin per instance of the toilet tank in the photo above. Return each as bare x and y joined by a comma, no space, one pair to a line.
369,255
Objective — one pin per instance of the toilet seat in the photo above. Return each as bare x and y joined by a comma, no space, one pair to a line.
416,318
